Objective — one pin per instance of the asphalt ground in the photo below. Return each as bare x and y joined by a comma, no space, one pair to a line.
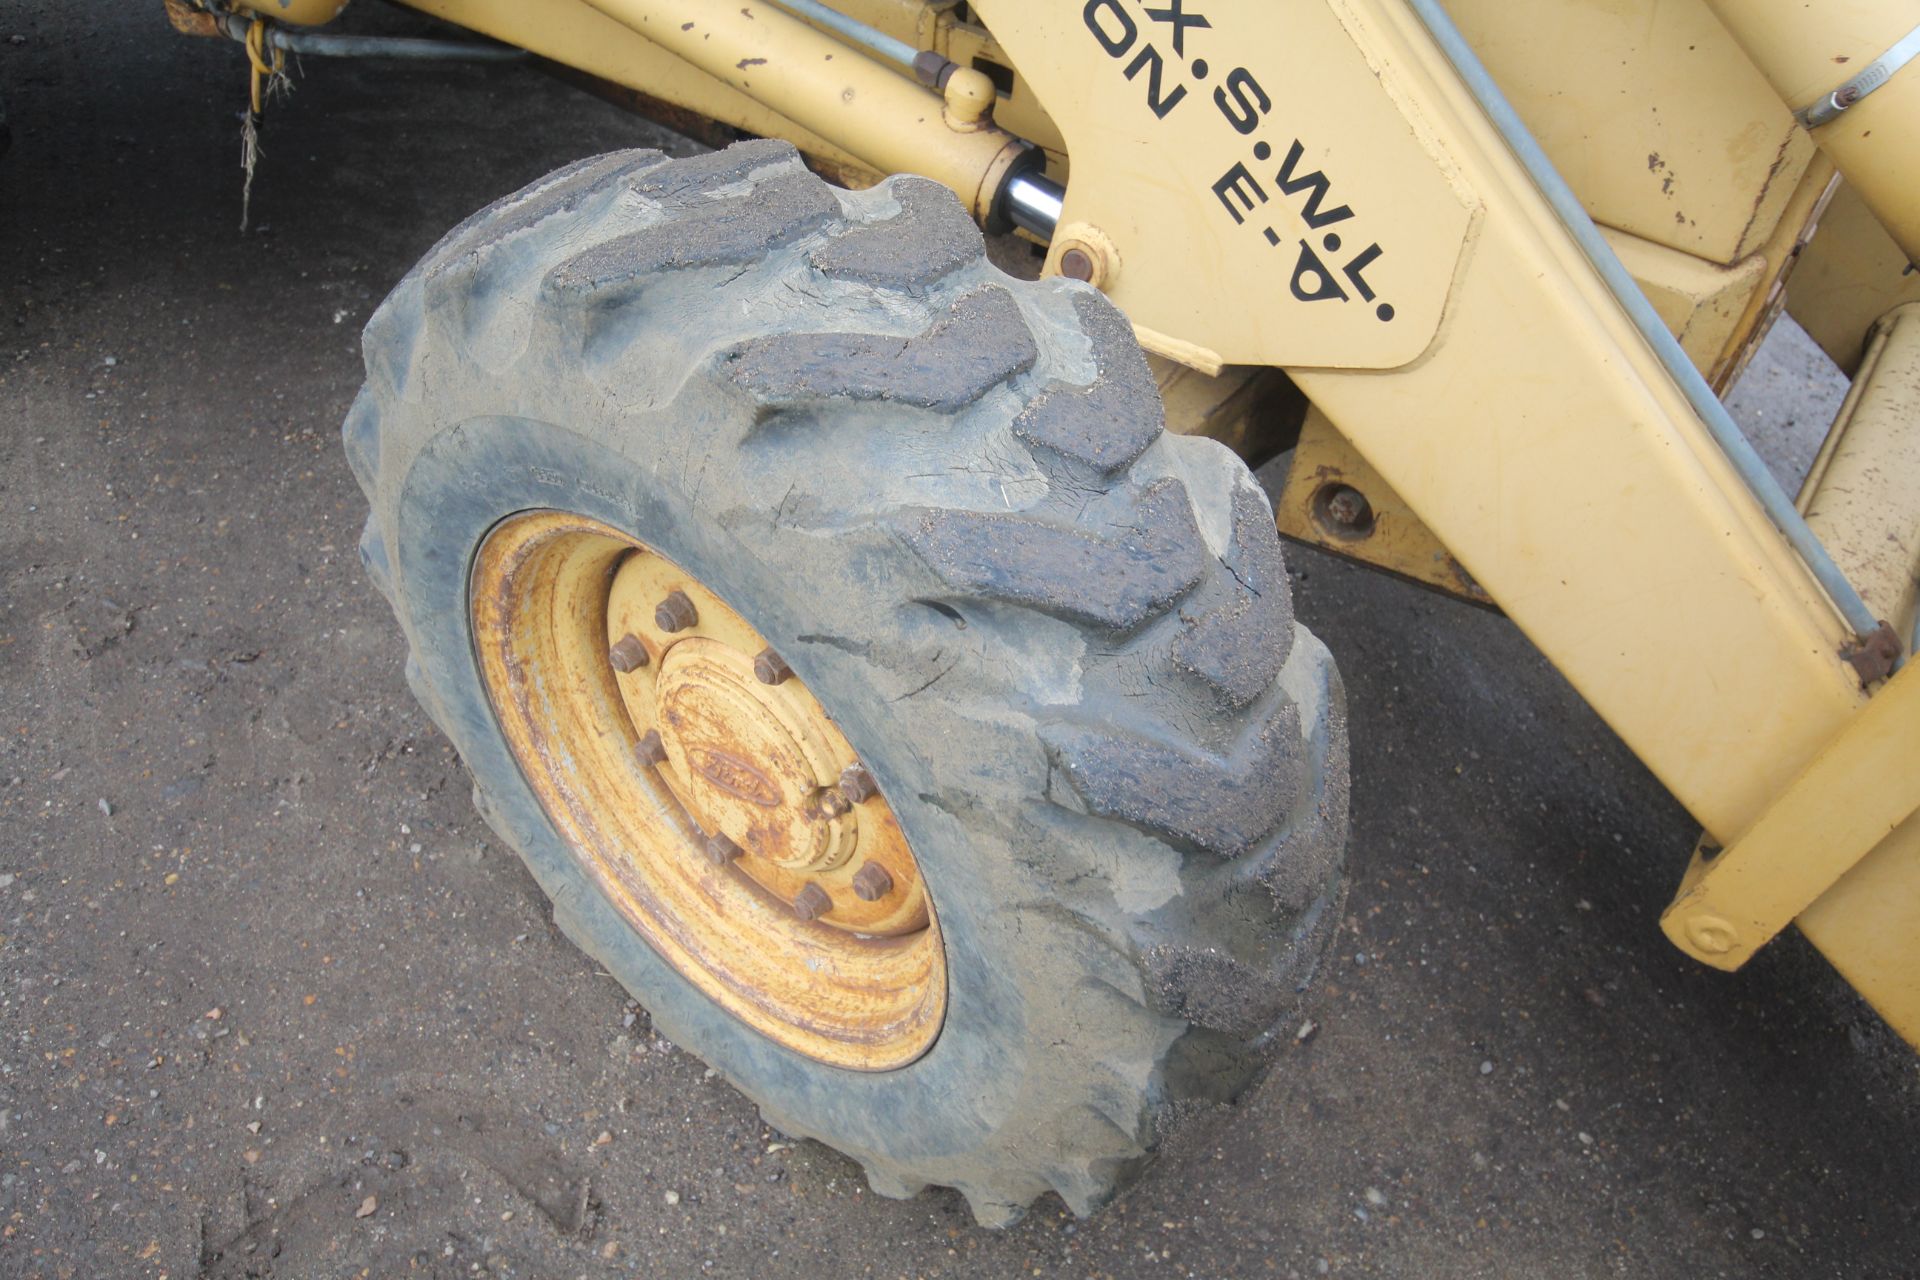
273,1002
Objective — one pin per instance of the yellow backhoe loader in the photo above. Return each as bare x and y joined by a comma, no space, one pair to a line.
836,560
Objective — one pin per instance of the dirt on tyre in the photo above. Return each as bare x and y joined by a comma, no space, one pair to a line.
914,727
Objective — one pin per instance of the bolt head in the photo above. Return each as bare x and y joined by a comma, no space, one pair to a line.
1347,507
721,850
812,902
1711,935
770,668
857,785
675,613
628,655
652,750
872,883
832,804
1076,264
1343,511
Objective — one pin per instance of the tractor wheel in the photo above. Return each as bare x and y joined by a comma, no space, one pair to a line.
921,734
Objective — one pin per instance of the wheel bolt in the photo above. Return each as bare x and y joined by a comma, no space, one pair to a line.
652,750
628,655
721,850
832,804
1347,507
872,883
675,613
856,784
770,668
812,902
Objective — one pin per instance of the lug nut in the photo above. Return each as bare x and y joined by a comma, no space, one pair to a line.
832,804
721,850
812,902
652,750
872,883
675,613
856,784
628,655
770,668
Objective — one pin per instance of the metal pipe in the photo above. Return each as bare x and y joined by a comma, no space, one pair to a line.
853,32
1034,203
330,45
1573,215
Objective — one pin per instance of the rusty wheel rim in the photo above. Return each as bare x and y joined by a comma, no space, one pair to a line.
707,792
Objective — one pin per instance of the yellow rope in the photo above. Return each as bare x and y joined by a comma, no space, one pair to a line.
263,67
263,74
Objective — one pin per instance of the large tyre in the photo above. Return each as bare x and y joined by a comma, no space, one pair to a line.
1060,638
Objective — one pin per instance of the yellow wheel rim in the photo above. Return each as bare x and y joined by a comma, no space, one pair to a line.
707,792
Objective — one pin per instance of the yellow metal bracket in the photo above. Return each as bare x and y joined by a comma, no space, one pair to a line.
1855,794
1335,500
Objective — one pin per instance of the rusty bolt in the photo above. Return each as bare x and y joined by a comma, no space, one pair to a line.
675,613
1348,507
721,850
872,883
628,655
1076,264
770,668
652,750
832,804
812,902
856,784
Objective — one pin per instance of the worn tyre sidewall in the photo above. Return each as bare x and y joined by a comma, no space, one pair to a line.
982,1072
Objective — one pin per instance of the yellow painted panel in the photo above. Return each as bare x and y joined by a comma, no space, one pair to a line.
1658,120
1542,443
1868,926
1271,200
1862,496
1700,301
1809,52
1388,536
1860,790
1851,275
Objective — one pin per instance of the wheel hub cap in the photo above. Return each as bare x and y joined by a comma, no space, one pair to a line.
700,784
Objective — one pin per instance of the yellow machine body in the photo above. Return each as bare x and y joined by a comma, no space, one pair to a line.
1312,188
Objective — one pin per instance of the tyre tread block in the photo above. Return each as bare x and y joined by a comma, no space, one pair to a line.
733,232
1109,424
561,192
360,433
929,238
737,163
979,344
1214,990
1239,641
1117,582
1224,805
